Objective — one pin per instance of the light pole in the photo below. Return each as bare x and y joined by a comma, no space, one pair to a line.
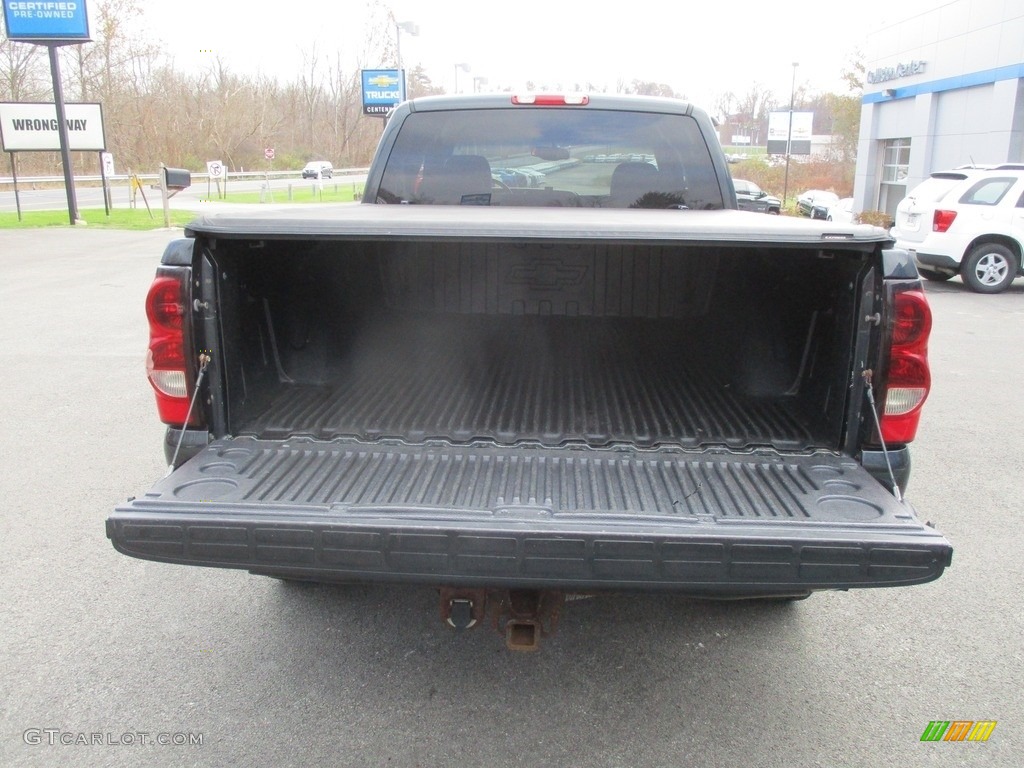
789,132
465,68
413,29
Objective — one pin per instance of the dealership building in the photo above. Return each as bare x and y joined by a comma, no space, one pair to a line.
943,88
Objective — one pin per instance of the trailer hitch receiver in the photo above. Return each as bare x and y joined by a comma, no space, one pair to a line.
523,616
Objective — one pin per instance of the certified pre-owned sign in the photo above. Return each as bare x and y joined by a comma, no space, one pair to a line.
45,20
33,127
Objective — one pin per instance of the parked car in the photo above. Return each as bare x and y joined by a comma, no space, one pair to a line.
842,212
751,197
318,169
815,203
969,222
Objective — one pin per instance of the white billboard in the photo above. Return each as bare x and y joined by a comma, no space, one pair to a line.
778,127
32,127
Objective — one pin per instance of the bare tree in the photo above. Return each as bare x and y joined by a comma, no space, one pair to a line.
103,69
855,74
311,89
157,113
845,110
235,117
22,70
725,105
650,88
753,109
345,89
845,125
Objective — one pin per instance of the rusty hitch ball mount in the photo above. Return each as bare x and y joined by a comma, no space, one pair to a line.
523,616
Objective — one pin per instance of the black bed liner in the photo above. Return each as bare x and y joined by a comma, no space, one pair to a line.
595,382
556,518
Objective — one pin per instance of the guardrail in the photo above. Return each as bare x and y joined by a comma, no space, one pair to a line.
155,177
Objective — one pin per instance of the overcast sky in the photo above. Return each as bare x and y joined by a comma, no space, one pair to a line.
700,49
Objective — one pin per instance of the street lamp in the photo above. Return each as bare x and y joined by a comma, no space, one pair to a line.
413,29
465,68
789,132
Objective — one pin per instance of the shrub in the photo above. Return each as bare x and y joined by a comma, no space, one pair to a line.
769,173
878,218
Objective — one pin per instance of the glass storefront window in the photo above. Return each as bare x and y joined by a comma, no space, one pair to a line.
895,169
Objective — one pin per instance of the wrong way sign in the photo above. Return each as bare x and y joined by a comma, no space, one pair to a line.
32,127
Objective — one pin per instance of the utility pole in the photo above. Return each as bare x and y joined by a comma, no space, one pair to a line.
413,29
789,132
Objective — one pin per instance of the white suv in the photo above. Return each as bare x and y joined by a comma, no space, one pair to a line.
968,221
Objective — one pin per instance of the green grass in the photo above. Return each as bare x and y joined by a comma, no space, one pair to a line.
119,218
139,218
301,192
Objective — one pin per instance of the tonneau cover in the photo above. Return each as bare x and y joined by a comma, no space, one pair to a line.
403,222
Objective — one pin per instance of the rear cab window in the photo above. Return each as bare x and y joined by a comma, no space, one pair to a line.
551,156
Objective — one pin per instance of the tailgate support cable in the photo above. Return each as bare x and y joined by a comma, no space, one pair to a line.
878,426
204,360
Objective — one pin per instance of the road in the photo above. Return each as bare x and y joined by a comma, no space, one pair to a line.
111,651
194,198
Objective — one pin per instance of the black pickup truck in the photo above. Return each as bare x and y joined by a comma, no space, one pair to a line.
546,356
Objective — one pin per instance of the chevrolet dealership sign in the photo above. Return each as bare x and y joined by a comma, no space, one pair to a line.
382,90
790,132
33,127
41,21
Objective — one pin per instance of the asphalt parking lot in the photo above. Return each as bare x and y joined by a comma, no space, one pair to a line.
104,657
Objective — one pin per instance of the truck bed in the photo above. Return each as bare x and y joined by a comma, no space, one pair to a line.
548,381
545,356
575,402
557,342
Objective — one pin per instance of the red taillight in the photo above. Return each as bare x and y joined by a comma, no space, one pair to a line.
166,366
164,304
909,378
913,319
942,220
552,99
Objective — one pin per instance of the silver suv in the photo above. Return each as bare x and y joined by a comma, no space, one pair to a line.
318,169
967,221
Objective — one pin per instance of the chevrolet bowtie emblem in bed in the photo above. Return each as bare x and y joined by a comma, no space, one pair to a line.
547,274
